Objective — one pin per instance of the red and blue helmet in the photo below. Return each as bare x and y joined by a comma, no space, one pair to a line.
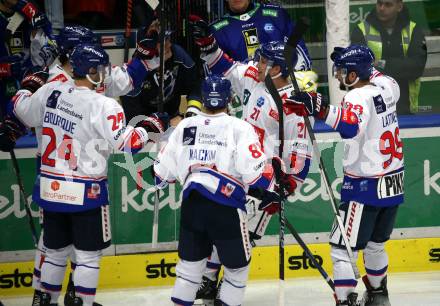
216,92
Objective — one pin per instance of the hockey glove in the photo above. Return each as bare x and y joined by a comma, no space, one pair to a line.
308,104
34,78
146,48
270,200
156,123
201,34
36,18
44,51
286,181
10,131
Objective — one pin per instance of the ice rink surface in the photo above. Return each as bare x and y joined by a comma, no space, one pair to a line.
406,289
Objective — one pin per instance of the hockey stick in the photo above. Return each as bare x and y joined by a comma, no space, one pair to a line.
310,255
155,231
127,33
22,191
262,224
288,51
279,103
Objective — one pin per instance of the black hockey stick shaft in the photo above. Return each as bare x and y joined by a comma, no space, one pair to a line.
160,108
289,49
277,169
24,197
309,254
21,187
293,39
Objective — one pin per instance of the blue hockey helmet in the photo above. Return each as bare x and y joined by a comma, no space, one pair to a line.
216,92
354,58
86,56
274,52
70,36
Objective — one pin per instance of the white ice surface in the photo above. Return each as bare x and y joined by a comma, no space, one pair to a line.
406,289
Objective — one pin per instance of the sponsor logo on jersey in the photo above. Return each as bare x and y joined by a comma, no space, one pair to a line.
251,40
274,114
189,136
220,25
16,279
260,101
162,269
61,191
390,185
55,185
379,104
252,73
434,255
245,17
303,262
269,28
271,13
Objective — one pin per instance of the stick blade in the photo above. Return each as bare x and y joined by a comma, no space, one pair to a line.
153,3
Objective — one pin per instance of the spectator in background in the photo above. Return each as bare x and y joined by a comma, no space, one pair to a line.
399,47
181,78
248,24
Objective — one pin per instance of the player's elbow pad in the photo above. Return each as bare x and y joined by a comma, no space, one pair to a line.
344,121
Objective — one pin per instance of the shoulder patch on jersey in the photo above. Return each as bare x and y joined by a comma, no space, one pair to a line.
269,12
189,136
221,24
379,104
252,73
61,77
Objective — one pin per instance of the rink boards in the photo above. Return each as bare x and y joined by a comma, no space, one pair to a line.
142,270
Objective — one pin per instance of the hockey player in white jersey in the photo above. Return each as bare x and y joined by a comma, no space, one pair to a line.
216,158
373,164
80,129
121,81
259,109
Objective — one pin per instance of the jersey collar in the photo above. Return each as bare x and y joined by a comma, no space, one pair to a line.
246,16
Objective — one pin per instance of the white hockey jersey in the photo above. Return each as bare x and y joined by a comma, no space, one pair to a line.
118,84
260,110
373,158
217,155
80,128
